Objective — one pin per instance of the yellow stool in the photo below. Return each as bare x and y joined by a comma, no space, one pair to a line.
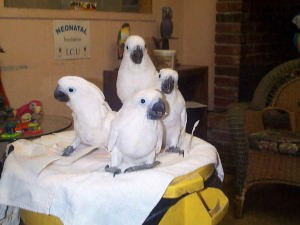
200,205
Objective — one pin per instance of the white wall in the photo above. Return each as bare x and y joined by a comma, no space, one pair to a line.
29,70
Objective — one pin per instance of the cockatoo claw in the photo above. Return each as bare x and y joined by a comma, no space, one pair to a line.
142,167
114,170
175,150
68,151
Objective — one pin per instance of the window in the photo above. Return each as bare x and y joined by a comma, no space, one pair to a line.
138,6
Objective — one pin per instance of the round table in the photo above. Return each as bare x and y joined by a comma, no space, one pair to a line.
48,123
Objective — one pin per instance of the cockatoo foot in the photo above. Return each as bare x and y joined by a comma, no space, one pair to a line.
68,151
142,167
175,150
112,169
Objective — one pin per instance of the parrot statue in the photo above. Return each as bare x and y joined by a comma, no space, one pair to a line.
174,124
136,71
166,27
296,21
25,112
91,113
136,132
122,37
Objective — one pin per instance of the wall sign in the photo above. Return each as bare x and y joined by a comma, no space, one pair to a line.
71,39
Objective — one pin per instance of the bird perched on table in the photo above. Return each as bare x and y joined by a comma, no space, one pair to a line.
25,112
136,71
91,113
166,26
136,132
122,37
175,123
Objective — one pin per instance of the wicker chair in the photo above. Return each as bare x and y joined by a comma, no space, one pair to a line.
278,90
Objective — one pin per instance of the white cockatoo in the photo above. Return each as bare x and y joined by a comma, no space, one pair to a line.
91,113
136,132
174,124
136,71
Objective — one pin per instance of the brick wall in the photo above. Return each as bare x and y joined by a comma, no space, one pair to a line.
252,36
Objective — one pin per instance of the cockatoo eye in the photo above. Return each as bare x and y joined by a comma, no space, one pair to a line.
71,90
143,101
127,47
159,75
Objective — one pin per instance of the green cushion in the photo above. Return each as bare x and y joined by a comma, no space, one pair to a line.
282,141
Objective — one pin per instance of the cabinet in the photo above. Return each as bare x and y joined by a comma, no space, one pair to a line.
193,84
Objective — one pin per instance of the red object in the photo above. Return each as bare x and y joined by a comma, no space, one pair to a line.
22,126
28,108
32,132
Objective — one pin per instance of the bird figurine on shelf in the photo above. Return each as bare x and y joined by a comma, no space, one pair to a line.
166,26
296,21
166,29
122,37
26,111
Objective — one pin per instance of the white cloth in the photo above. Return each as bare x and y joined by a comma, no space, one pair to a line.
78,190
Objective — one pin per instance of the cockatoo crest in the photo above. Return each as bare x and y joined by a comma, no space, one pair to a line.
136,51
136,72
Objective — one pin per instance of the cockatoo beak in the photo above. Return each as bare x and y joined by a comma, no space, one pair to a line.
137,55
168,85
156,109
60,95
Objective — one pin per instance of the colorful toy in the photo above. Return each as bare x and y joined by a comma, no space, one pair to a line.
25,112
16,129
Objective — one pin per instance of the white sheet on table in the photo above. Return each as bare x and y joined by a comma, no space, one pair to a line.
81,192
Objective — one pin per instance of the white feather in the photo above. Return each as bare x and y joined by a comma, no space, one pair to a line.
174,123
135,77
91,114
134,138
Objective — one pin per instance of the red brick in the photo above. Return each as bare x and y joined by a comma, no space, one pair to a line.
224,102
220,108
232,17
228,49
229,6
217,121
225,147
226,81
229,39
228,28
227,70
255,48
220,135
227,60
227,92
